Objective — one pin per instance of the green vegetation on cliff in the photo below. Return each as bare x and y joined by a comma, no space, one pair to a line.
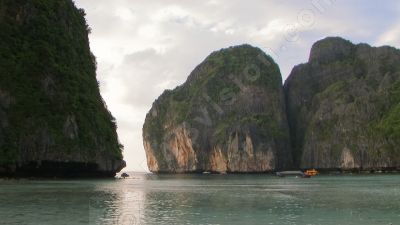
389,124
49,95
217,79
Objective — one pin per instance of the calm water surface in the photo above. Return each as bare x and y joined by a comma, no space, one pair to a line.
208,199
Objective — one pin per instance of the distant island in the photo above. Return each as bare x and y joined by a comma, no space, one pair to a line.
53,121
339,111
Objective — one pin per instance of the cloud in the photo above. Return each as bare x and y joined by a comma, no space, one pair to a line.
145,47
391,36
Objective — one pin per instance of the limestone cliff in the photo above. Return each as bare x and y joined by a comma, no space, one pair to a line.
229,116
344,107
53,121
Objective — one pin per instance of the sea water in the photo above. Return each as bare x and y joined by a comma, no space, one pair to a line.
203,199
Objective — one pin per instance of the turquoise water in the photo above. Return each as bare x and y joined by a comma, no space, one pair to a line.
208,199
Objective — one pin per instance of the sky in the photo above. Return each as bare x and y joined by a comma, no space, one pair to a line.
146,46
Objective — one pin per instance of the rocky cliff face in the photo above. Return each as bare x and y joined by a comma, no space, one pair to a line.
343,110
53,120
344,107
229,116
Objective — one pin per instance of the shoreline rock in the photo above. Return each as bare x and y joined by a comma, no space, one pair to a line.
61,170
343,106
229,116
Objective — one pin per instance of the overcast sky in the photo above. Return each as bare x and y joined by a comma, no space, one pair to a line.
146,46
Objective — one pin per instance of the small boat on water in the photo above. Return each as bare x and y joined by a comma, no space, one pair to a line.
289,173
124,175
311,173
305,174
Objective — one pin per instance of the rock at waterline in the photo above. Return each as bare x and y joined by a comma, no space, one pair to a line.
344,107
229,116
53,121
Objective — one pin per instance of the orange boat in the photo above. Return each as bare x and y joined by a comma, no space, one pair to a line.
311,173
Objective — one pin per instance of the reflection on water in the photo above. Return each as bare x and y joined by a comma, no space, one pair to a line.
209,199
